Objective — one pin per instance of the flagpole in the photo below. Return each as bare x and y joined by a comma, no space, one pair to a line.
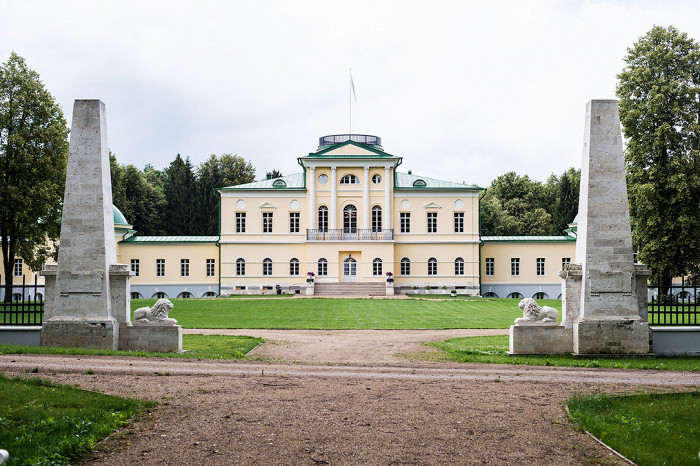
350,132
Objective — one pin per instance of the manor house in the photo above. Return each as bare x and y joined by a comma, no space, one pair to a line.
349,217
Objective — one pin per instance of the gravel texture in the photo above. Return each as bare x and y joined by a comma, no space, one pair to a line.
331,408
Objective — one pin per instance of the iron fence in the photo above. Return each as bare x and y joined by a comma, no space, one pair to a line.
350,235
22,304
674,304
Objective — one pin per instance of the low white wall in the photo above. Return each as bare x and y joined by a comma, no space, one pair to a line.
20,335
670,341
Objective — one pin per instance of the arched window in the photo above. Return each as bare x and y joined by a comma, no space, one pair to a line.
376,219
377,267
459,266
240,266
515,295
267,266
349,179
323,219
159,295
322,267
540,295
419,184
136,295
209,294
432,266
185,294
279,184
350,219
405,266
490,294
294,266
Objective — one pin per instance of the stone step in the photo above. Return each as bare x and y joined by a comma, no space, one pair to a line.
350,289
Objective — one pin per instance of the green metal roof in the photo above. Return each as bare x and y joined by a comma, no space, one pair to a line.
408,181
171,239
376,151
119,219
526,238
295,181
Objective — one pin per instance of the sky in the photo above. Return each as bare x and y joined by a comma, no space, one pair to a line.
464,91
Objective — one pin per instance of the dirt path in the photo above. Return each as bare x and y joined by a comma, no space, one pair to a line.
330,405
374,347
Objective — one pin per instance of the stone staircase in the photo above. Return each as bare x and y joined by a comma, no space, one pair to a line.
350,289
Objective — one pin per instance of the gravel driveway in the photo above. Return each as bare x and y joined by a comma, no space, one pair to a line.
345,406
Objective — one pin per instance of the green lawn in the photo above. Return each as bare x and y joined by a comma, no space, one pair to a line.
494,350
197,346
323,313
649,429
44,423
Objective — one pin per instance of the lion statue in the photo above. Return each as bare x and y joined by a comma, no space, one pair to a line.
158,314
532,313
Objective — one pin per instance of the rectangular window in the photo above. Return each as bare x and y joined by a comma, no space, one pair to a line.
135,267
294,267
376,219
211,267
490,266
459,222
565,261
18,268
432,222
160,267
294,222
184,267
515,266
540,266
323,220
240,222
267,222
405,218
432,267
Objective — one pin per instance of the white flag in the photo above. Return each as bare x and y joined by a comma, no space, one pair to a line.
352,85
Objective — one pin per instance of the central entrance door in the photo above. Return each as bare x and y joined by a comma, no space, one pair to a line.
349,270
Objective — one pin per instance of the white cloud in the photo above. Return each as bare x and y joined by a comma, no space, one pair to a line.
464,91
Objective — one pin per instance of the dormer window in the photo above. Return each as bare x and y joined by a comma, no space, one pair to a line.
349,179
279,184
419,184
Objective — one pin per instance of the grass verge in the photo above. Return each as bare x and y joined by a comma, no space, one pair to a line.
649,429
494,350
44,423
341,314
197,346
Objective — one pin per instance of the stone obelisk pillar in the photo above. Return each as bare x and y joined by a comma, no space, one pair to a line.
610,315
87,291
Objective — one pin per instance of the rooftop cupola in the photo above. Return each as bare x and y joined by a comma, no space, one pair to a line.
368,139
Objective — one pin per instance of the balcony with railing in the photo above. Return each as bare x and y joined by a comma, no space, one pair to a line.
350,235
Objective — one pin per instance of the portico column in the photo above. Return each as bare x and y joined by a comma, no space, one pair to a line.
366,199
387,198
334,200
312,198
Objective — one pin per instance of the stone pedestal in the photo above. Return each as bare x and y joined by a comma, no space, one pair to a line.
309,288
152,337
611,336
390,288
540,339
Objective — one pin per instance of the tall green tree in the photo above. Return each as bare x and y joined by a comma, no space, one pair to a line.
659,91
564,194
515,205
33,156
181,194
273,174
218,172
